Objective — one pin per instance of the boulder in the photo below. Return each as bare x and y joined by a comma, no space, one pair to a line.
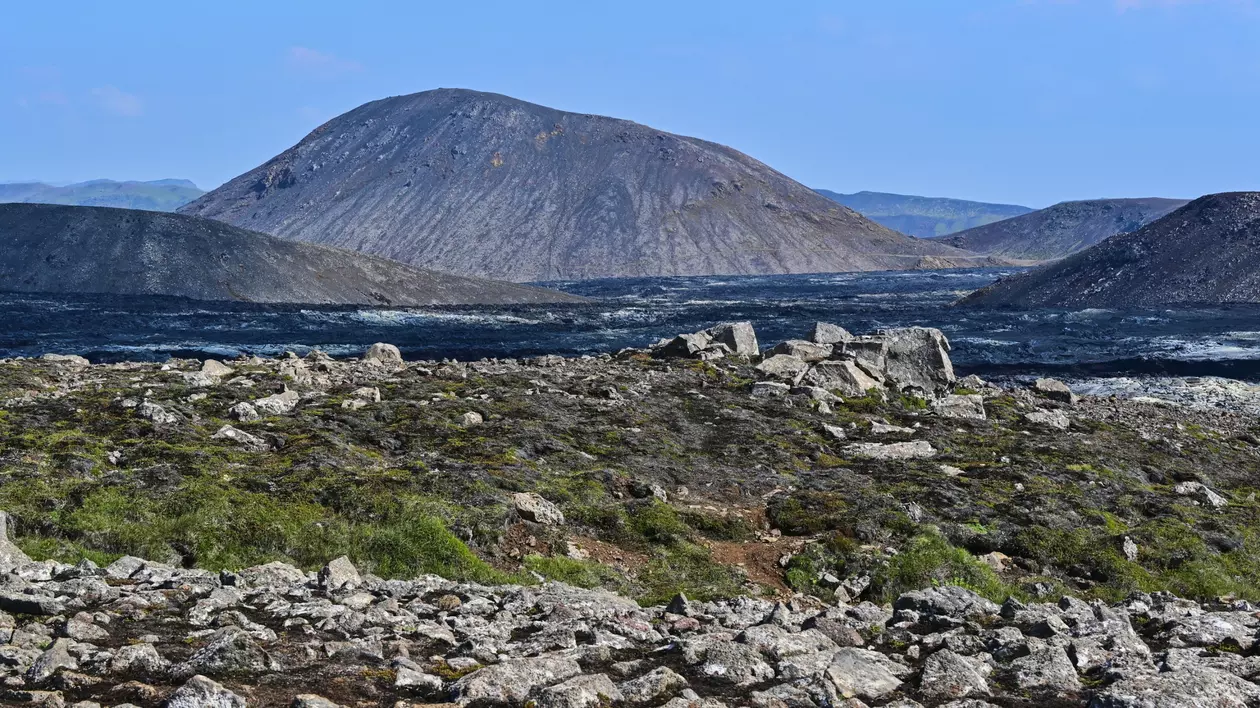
1200,687
1047,668
825,333
156,414
216,369
843,377
783,367
277,404
253,443
471,419
770,389
913,450
918,357
510,683
339,574
229,651
532,507
1050,419
735,665
10,555
652,688
382,354
244,412
739,337
947,675
55,657
865,674
310,700
1055,390
586,691
1201,492
684,346
805,351
967,407
201,692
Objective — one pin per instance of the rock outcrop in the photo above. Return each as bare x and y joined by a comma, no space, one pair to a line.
278,636
67,249
1201,254
486,185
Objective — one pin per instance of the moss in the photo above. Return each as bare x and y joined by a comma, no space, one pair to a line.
657,522
579,573
722,527
688,569
928,560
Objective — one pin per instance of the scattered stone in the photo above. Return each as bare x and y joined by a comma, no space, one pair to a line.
216,369
949,675
201,692
1053,419
1055,390
770,389
652,688
968,407
1202,493
532,507
864,674
277,404
511,682
339,574
382,354
253,443
738,337
913,450
846,378
244,412
471,419
156,414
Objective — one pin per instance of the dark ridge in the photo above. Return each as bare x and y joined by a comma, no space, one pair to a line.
1203,253
65,249
1063,229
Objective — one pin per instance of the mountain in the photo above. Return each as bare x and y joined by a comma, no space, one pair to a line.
482,184
1203,253
158,195
66,249
924,217
1063,229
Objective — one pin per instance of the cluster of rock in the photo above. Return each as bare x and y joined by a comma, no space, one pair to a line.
138,633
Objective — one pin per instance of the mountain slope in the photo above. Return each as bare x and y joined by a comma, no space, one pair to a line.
1063,229
1204,253
65,249
482,184
924,217
158,195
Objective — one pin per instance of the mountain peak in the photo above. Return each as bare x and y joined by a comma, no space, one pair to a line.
483,184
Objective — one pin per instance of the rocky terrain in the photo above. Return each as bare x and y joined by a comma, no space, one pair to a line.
1201,254
481,184
65,249
156,195
835,520
1063,229
924,217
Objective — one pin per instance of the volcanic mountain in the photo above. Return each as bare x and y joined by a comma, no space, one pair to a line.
924,217
48,248
1063,229
157,195
1203,253
482,184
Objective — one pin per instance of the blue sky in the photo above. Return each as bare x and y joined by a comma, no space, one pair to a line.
1023,101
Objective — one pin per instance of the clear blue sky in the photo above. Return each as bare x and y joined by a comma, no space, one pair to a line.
1024,101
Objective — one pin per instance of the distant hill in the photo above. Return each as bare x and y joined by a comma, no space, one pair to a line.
482,184
1063,229
924,217
48,248
158,195
1203,253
